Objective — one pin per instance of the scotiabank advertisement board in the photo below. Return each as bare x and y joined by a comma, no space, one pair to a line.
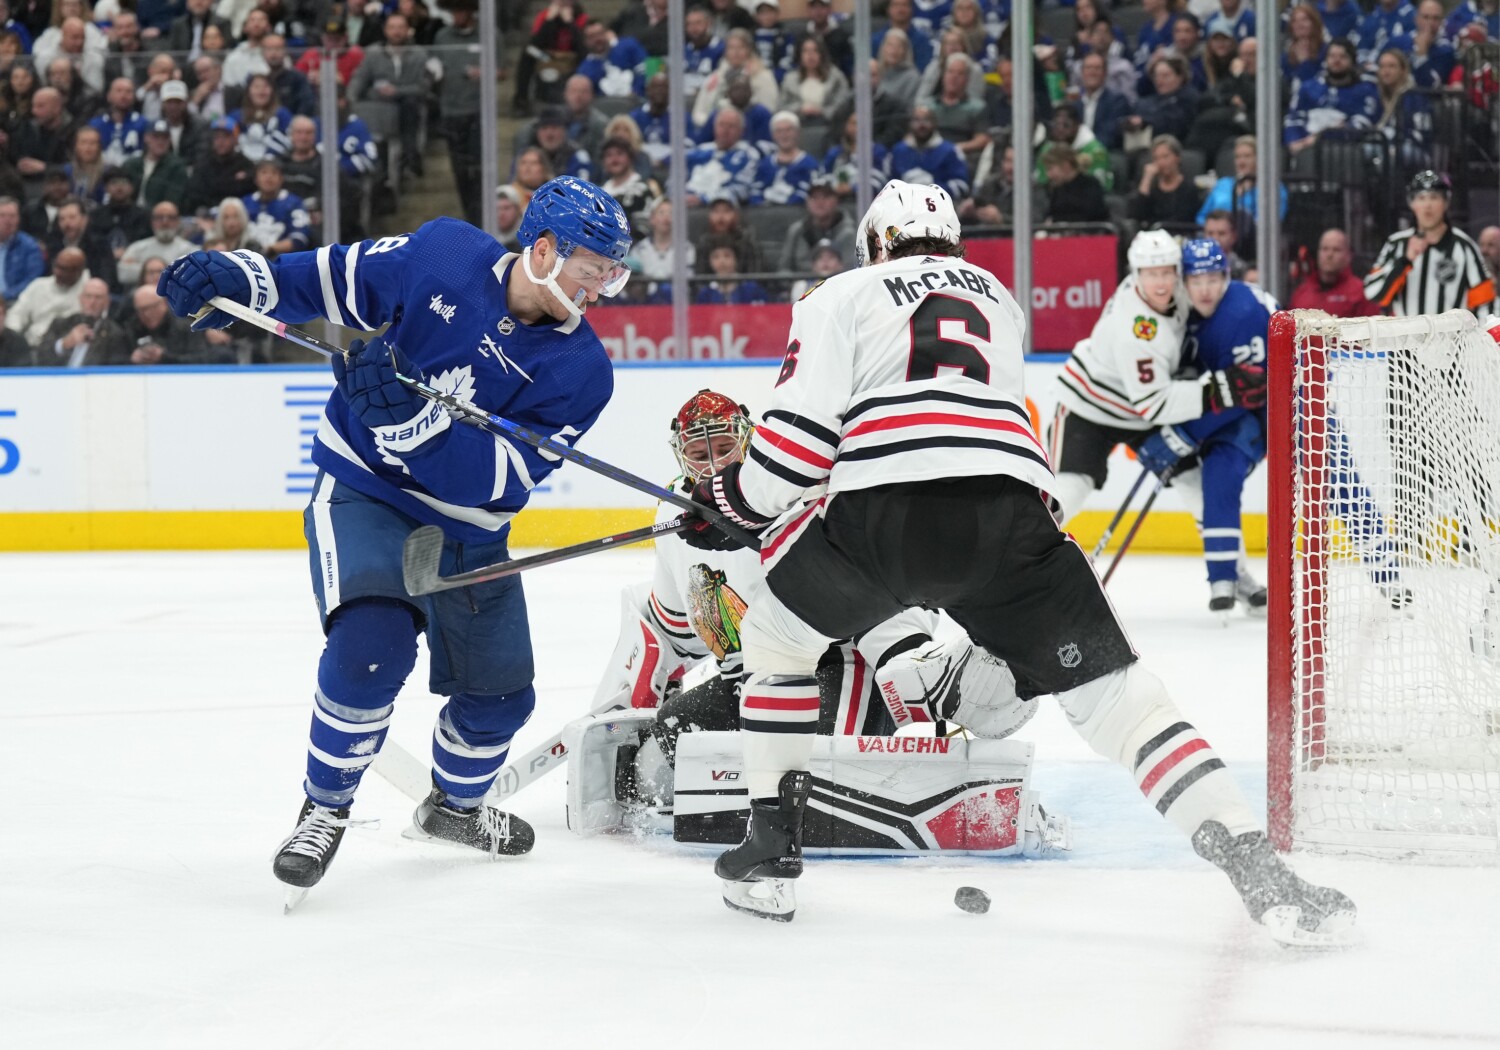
1071,279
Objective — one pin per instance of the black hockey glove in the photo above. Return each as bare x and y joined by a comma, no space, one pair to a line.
1239,386
721,492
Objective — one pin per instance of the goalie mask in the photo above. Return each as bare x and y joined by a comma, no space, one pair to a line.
903,212
709,433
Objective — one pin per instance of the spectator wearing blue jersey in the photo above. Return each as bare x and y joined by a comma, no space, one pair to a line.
9,24
278,219
1338,98
505,333
703,50
1236,17
653,118
1187,44
772,43
1405,117
1236,192
931,15
21,259
968,21
725,290
924,157
840,166
898,15
786,171
1388,20
726,166
1483,13
1306,48
1340,17
615,66
121,127
262,120
1432,57
1155,34
757,117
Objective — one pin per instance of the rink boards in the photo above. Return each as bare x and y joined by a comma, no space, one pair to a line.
219,458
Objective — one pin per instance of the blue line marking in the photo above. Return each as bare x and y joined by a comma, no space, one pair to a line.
304,404
301,473
7,413
294,389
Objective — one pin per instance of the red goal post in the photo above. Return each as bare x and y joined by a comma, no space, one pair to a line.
1384,563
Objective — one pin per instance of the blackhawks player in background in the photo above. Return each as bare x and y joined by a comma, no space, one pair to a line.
888,676
505,332
902,393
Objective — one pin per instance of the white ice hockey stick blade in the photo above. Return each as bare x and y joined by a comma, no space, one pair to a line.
403,771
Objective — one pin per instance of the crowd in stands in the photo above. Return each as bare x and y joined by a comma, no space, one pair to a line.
137,130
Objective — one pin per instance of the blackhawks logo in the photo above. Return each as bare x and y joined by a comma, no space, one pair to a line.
1145,328
715,610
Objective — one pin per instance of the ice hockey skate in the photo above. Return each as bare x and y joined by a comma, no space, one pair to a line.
484,827
1252,592
758,873
304,856
1222,597
1294,911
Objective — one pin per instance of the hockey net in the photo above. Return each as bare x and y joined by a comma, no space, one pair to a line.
1384,689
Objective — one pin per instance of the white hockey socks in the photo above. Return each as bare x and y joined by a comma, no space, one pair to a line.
778,722
1127,716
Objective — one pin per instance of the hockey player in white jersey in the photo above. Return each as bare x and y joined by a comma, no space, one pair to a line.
892,675
1130,378
902,392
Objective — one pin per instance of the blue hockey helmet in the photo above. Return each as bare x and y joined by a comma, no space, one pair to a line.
1203,255
578,214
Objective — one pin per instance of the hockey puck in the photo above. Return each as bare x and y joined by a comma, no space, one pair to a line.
972,900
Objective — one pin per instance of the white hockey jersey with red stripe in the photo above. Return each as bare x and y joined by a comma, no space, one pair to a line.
1123,374
904,371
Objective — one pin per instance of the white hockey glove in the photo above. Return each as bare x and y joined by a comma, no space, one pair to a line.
955,682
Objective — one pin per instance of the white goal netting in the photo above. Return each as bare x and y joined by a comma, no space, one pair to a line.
1394,610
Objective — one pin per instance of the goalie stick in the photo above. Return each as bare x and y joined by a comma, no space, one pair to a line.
412,777
422,553
476,416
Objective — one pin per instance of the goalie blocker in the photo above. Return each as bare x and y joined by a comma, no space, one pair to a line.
870,794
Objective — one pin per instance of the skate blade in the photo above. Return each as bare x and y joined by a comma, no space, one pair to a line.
774,899
416,834
1335,931
295,895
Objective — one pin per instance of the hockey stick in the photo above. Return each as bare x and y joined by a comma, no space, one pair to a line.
1109,530
408,775
1135,526
476,416
423,551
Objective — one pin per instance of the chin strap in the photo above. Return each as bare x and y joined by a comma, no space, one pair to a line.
550,282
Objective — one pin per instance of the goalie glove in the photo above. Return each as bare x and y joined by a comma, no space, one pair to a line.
1239,386
954,682
721,492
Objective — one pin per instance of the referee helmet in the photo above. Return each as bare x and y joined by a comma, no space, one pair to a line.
1430,182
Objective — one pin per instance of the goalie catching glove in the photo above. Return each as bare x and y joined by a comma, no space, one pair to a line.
721,492
1239,386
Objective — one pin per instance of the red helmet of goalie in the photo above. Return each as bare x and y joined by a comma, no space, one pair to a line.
709,432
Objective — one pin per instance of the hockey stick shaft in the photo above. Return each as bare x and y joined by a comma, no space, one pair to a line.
1135,526
433,583
477,416
410,775
1114,523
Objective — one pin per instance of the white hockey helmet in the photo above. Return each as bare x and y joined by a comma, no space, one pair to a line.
1154,248
904,211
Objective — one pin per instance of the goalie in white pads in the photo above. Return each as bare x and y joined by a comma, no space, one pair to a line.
902,391
891,675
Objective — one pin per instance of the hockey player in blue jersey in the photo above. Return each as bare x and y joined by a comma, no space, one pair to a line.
1227,328
503,331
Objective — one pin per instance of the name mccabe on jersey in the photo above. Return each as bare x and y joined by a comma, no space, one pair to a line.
906,292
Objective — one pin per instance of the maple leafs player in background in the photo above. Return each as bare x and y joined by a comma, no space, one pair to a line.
889,676
503,331
1227,332
902,391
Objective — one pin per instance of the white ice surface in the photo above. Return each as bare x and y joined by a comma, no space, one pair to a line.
153,712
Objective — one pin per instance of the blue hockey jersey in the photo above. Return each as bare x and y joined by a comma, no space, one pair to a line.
731,171
1380,27
1467,13
620,73
699,62
1239,25
263,138
1342,20
120,139
656,133
1359,102
284,217
778,183
935,165
357,152
1148,41
443,289
1235,335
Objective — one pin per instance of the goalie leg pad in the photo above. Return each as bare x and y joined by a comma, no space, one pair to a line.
602,752
1128,717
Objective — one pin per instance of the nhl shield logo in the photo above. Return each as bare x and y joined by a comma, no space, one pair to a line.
506,326
1069,656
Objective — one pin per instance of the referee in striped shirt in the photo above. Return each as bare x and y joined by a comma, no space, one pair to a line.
1432,267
